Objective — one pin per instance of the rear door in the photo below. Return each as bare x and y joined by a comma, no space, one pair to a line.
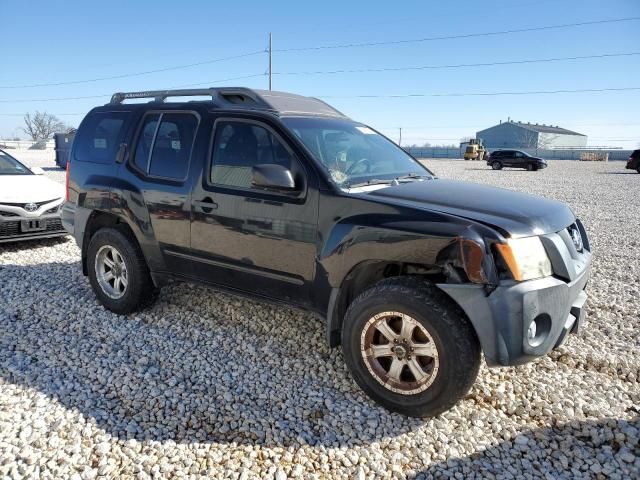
157,183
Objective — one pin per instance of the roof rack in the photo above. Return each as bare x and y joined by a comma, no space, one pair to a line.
241,97
162,95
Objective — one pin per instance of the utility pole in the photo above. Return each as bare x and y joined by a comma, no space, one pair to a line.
270,50
400,140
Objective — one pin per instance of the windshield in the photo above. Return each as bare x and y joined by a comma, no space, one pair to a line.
353,153
11,166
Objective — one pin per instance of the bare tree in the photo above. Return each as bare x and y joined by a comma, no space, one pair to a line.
546,141
526,138
42,125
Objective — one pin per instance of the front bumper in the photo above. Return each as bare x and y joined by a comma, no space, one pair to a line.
502,318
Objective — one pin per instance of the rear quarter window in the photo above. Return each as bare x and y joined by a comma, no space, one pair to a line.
99,137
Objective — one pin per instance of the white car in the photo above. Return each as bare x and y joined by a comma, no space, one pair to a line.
30,203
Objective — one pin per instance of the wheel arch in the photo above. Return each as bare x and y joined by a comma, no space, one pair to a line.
98,220
361,277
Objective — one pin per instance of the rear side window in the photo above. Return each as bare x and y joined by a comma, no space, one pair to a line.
99,137
164,145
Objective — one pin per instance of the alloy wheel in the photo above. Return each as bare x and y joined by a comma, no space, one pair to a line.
111,272
399,352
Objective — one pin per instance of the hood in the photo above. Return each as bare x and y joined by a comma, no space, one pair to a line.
28,188
515,214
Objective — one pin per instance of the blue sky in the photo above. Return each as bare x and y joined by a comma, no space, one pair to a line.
50,42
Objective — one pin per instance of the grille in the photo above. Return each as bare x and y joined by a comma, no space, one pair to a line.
54,224
12,229
21,205
52,210
9,229
8,214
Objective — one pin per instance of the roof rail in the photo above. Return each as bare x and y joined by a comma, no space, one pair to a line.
161,95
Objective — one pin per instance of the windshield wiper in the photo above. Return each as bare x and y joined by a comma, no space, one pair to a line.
410,176
373,181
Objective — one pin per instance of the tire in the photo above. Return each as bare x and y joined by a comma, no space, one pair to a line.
496,165
638,169
530,167
452,371
139,290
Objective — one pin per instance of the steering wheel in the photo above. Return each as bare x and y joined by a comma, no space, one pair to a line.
362,161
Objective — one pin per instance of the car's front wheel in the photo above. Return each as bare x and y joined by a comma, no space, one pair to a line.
117,271
496,165
409,347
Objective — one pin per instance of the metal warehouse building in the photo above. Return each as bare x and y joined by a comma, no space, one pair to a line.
512,134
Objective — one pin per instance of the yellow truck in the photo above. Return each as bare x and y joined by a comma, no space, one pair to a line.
475,150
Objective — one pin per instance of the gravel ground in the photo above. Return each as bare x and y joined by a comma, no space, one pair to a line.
206,384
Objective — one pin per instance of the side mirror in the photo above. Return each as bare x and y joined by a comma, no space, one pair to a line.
37,170
274,177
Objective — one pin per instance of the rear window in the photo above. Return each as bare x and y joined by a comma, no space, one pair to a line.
99,137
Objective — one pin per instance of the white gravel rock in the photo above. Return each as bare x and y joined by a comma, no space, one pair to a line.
203,384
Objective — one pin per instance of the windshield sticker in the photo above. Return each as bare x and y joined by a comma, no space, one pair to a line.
99,143
175,144
366,130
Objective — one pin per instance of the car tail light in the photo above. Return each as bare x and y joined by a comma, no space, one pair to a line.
66,181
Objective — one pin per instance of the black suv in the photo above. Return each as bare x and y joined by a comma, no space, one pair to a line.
284,198
516,159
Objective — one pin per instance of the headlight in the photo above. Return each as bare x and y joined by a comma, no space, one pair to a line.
526,258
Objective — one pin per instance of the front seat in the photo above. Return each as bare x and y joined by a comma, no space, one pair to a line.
242,148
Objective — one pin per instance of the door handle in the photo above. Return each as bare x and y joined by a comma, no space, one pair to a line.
206,204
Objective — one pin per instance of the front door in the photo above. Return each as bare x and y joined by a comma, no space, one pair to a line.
246,238
519,160
507,158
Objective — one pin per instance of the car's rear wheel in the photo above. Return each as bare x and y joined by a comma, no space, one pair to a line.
117,271
496,165
409,347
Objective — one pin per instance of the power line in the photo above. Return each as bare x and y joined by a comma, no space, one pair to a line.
109,94
459,65
451,37
410,95
136,74
489,94
23,114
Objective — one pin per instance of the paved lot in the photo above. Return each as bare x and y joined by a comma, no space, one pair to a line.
203,383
